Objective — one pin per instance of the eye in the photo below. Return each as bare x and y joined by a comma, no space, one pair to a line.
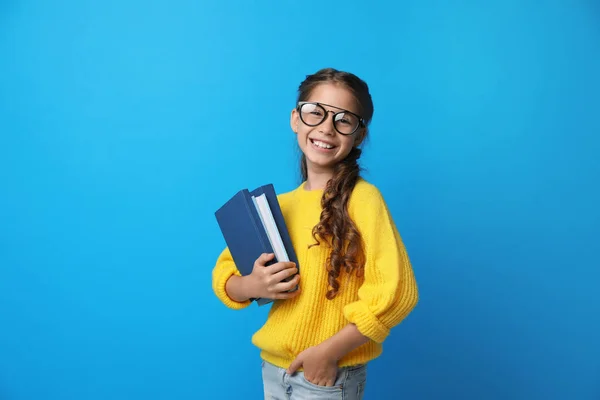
345,119
311,109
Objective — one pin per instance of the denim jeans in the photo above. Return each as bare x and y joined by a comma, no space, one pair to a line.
279,385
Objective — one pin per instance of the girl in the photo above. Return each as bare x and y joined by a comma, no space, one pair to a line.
357,281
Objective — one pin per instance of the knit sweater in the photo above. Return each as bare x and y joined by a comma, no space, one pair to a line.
376,302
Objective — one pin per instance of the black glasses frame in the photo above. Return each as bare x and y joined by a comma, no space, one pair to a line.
361,121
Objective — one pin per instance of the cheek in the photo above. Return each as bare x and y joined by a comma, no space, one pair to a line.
301,136
302,133
348,143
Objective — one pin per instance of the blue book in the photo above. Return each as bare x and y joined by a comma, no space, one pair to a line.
252,223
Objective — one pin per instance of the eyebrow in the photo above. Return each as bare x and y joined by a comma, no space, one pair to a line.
329,105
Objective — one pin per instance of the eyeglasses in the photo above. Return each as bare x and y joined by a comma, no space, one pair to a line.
313,114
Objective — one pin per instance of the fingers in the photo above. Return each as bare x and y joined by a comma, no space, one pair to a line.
297,363
324,381
264,258
284,274
281,291
270,280
281,266
320,381
286,286
286,295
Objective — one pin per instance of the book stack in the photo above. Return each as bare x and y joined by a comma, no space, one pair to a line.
252,224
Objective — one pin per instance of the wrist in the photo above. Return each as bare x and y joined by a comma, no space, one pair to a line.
237,288
342,343
330,351
247,287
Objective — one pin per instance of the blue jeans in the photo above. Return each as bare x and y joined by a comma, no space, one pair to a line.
279,385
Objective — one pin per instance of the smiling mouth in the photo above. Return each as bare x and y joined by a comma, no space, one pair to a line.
321,145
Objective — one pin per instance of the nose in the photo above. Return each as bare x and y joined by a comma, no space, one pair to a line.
326,126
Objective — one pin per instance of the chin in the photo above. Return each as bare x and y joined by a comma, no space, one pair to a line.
318,162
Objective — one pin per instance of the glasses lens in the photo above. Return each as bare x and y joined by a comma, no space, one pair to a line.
346,123
312,114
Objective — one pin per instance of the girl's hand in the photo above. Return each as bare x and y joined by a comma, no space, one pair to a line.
267,281
319,367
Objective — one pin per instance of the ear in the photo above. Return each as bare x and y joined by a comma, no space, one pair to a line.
294,120
360,136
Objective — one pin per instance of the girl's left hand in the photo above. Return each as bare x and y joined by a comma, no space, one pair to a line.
319,368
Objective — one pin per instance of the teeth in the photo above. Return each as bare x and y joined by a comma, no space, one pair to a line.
322,145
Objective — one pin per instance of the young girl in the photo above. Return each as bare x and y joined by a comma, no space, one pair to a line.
356,278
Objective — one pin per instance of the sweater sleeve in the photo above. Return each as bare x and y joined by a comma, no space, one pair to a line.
223,270
389,290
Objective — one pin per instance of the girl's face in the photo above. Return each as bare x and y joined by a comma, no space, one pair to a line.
322,144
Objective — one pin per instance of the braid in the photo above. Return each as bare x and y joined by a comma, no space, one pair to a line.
337,227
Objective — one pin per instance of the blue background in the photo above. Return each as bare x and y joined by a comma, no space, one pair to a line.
124,125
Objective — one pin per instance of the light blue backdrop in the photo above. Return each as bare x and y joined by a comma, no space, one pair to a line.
124,125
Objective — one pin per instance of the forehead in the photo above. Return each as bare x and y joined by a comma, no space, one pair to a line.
335,95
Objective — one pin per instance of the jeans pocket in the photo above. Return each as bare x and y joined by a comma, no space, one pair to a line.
357,372
356,380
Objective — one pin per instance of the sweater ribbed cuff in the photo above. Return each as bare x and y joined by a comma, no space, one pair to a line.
367,323
221,293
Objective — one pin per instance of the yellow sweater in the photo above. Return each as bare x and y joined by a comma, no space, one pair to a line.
375,303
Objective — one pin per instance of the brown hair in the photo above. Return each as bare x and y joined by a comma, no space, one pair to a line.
335,225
